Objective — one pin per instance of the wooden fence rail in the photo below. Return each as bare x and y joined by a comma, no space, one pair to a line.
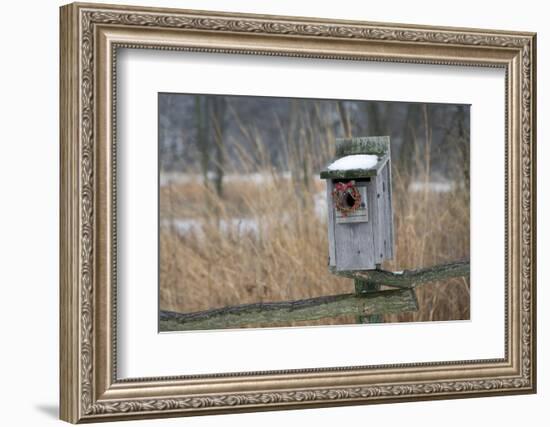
365,302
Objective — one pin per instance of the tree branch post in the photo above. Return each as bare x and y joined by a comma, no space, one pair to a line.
364,287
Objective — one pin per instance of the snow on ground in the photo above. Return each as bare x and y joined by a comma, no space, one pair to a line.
239,226
256,178
320,204
243,225
432,186
437,186
354,161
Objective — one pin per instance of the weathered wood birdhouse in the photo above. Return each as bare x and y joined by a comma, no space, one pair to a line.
360,216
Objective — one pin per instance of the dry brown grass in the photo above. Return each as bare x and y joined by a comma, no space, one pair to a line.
287,258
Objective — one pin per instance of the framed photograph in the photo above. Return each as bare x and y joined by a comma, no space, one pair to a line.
267,212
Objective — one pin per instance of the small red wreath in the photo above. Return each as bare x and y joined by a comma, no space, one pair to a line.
346,197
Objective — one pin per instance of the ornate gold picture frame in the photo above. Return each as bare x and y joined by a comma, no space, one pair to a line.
91,34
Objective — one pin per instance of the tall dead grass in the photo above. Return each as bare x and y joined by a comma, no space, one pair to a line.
285,258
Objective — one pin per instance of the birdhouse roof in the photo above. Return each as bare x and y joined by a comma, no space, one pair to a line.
358,157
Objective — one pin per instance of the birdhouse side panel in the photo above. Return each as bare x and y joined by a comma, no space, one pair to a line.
387,226
376,200
331,222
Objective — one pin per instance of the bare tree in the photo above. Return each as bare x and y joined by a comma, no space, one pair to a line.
201,113
463,145
219,107
345,119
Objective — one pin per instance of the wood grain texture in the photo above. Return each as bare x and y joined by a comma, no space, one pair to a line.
411,278
387,232
354,242
330,225
272,313
365,287
379,220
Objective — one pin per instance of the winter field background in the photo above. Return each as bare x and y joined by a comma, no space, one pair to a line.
243,211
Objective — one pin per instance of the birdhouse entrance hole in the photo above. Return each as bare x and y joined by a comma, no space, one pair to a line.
349,201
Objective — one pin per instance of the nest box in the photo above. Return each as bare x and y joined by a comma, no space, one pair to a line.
359,197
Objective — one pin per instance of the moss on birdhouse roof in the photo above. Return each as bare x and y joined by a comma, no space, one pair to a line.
352,153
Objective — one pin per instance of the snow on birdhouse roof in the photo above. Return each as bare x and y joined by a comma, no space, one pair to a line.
358,157
355,161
